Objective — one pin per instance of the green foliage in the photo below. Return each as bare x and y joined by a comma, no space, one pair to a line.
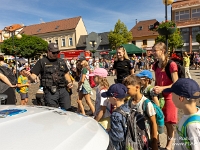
166,24
119,36
175,40
198,37
28,46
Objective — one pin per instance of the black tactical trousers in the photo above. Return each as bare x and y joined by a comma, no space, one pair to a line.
59,99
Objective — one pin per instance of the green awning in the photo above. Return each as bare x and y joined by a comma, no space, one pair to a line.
130,49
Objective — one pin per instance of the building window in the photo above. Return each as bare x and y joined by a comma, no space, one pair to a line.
144,42
56,41
140,28
70,42
185,34
182,15
151,26
196,13
195,30
63,42
133,42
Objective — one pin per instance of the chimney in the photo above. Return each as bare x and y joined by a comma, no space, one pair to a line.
135,21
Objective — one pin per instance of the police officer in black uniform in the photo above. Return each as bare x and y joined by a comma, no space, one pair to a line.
54,78
122,65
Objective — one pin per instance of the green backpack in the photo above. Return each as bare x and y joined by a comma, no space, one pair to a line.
183,133
160,96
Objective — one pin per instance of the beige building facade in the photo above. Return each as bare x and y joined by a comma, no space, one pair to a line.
65,33
186,15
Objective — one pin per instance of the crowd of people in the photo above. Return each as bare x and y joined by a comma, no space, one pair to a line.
131,93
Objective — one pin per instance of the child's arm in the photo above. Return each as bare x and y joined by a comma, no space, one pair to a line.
154,130
22,85
154,133
156,101
101,113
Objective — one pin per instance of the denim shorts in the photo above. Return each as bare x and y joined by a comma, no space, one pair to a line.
23,96
83,90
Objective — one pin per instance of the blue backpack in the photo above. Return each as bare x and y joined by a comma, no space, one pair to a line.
159,115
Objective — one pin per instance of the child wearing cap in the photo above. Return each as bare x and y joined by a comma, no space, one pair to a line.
23,85
116,95
133,84
185,93
147,89
102,105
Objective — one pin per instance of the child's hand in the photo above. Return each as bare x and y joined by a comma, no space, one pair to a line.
70,85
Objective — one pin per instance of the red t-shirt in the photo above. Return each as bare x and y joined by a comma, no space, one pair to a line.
169,109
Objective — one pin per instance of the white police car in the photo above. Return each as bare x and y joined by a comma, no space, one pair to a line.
46,128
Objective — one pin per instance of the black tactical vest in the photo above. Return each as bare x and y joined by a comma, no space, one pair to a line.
53,74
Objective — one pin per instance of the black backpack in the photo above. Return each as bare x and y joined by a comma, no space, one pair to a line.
9,74
181,69
136,136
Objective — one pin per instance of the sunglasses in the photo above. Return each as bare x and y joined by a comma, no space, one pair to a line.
55,52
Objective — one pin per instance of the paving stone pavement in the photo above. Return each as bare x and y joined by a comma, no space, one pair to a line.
34,87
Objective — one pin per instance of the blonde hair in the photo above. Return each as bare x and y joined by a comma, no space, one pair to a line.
162,46
84,63
103,82
125,53
132,80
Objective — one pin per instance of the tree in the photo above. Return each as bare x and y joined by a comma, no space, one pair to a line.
175,40
198,37
28,46
119,36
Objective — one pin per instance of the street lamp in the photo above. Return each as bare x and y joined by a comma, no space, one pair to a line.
93,43
167,2
19,36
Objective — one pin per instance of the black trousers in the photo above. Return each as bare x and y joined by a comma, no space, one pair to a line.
11,100
59,99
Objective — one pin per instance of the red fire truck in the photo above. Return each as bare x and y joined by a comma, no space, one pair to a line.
69,54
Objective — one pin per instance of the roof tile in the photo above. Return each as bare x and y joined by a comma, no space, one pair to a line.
58,25
145,28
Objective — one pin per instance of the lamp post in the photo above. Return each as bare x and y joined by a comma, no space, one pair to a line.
167,2
93,43
19,36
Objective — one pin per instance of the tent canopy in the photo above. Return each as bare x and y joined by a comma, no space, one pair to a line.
130,49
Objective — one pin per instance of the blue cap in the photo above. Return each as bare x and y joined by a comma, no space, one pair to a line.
185,87
145,73
116,90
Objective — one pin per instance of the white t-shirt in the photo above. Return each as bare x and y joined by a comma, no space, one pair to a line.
149,110
193,133
100,101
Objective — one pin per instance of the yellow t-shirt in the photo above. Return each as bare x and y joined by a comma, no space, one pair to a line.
186,61
23,80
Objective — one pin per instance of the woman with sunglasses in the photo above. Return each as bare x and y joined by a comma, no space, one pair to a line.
54,78
122,65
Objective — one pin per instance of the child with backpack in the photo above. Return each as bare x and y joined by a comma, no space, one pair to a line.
147,89
185,94
102,105
23,85
116,95
144,106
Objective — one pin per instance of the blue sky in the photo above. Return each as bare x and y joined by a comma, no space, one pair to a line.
98,15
